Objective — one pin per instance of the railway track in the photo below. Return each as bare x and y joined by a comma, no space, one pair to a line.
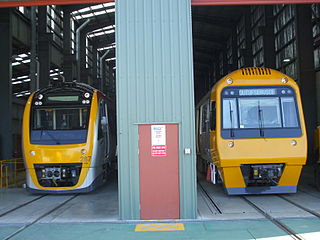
214,208
38,218
275,221
21,205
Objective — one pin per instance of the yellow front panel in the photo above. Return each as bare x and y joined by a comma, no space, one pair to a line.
52,154
258,150
232,177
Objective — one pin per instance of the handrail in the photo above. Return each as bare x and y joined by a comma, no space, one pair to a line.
12,171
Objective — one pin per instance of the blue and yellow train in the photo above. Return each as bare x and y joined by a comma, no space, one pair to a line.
251,129
68,143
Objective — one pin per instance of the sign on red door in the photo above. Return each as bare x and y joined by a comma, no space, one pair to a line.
159,171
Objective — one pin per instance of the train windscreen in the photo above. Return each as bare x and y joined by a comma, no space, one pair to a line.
50,126
263,112
60,118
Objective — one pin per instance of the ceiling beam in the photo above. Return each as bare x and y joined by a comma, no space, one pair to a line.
222,22
100,42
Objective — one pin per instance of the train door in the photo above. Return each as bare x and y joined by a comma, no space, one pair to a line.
107,132
213,134
102,131
204,132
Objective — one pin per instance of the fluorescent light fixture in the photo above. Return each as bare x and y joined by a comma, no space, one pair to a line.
17,82
22,77
26,61
110,59
106,48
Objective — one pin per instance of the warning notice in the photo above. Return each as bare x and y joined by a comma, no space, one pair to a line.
158,140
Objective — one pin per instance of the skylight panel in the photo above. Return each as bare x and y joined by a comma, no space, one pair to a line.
16,82
110,59
106,48
95,7
84,10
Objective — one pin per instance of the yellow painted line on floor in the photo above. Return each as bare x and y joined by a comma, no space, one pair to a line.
159,227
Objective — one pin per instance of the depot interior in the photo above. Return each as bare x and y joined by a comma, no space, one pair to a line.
77,42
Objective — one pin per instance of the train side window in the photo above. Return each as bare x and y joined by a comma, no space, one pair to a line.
213,116
204,118
102,113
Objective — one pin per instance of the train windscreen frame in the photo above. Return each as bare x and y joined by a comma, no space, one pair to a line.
60,118
259,112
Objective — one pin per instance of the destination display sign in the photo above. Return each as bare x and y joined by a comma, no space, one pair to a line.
257,92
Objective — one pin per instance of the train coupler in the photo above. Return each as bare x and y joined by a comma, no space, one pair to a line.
262,174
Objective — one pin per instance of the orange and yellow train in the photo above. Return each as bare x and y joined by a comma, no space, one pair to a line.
67,141
251,129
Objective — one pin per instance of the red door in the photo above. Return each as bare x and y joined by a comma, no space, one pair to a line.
159,171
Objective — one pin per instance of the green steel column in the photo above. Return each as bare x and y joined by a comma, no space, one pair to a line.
6,140
154,85
306,74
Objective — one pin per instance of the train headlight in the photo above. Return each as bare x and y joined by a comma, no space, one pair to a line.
40,96
230,144
284,80
83,151
229,81
83,101
293,143
32,153
87,101
36,103
87,95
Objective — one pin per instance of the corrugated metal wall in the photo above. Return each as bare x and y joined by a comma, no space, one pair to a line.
154,85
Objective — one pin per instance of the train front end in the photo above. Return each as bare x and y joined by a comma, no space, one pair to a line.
261,138
58,128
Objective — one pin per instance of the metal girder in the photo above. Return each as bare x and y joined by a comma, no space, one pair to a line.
21,30
218,41
204,49
72,8
246,2
6,139
48,2
103,42
220,22
99,23
199,64
202,56
111,52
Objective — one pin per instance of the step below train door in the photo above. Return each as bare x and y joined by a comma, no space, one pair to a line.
159,171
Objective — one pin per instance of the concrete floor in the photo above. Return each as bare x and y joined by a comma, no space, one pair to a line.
95,216
100,205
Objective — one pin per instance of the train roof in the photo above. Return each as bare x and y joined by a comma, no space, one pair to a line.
249,73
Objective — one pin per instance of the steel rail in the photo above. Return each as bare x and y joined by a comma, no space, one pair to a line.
275,221
39,218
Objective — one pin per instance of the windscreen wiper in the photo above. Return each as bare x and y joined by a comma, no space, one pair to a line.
231,120
260,113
